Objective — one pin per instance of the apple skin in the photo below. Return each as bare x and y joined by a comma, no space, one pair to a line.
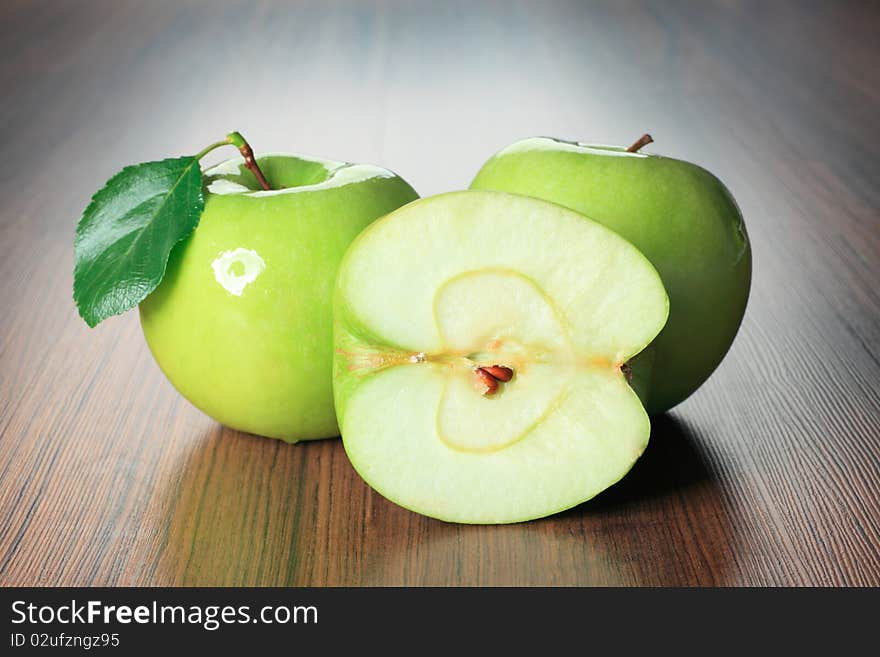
242,322
676,213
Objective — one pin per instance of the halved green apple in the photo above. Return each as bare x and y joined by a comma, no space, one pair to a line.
447,285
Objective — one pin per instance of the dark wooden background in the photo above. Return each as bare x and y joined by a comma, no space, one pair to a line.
768,475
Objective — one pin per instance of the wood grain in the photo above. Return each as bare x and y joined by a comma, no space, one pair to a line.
768,475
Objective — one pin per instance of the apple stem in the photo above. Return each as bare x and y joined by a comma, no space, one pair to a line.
641,142
250,162
235,139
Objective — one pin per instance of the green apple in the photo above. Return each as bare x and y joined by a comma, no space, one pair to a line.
241,324
481,342
679,215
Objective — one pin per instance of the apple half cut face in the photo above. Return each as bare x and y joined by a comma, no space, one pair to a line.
445,286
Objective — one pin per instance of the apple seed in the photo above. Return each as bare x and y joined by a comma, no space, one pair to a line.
489,381
500,372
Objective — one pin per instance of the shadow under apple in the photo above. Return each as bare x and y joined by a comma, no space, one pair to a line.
247,510
673,461
241,508
668,522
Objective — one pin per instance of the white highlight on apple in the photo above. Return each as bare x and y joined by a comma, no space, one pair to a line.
237,269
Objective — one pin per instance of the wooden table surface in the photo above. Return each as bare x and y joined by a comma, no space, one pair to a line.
768,475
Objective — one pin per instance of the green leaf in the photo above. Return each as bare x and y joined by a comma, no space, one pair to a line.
126,234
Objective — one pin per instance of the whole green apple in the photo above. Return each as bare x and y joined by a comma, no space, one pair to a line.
241,324
679,215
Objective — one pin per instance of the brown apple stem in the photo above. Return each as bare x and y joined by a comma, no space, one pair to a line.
642,141
250,162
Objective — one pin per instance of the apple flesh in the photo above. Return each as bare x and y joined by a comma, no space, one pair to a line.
449,284
241,324
679,215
